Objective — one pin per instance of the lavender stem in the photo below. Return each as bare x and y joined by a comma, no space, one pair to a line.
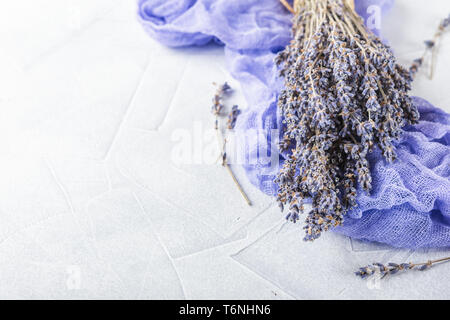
221,144
393,268
287,6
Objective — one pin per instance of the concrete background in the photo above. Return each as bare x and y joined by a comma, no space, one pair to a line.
91,205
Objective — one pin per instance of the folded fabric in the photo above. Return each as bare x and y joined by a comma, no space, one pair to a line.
410,203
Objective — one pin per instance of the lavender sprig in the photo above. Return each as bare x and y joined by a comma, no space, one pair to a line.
393,268
430,46
344,96
232,118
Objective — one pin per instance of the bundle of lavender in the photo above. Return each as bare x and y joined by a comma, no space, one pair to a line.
344,96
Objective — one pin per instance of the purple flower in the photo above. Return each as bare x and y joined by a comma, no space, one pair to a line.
344,95
217,106
393,268
232,117
429,44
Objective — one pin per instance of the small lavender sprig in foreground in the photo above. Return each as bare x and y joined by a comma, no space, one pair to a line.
232,118
393,268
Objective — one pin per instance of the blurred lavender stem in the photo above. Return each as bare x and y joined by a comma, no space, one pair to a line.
434,46
227,166
436,39
216,110
222,143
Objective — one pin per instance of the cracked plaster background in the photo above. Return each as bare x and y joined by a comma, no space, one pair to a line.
91,205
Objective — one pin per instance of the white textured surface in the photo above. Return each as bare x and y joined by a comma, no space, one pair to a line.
91,205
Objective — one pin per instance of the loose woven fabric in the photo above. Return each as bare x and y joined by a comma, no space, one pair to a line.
409,205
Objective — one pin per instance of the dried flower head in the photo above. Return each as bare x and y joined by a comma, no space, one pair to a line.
445,23
393,268
217,106
232,117
417,63
344,96
429,44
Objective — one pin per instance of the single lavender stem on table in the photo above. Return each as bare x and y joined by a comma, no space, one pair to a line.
393,268
344,96
222,142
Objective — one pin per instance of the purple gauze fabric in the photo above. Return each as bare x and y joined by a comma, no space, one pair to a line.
410,203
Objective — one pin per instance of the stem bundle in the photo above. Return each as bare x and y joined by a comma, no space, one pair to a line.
344,96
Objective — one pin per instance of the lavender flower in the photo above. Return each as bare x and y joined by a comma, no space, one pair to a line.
429,44
383,270
445,23
232,117
393,268
217,106
417,63
344,96
217,100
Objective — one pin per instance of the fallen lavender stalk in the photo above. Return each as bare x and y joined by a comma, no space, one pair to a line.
344,96
222,142
393,268
430,45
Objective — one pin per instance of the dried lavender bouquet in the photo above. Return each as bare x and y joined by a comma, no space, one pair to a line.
344,96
